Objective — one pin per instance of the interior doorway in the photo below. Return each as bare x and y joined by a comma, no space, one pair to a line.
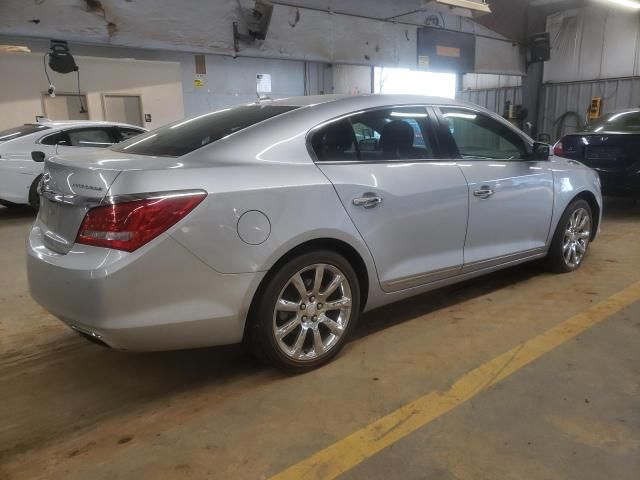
123,109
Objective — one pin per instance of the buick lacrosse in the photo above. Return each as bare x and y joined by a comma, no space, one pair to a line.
278,223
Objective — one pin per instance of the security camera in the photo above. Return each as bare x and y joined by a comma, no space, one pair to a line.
52,90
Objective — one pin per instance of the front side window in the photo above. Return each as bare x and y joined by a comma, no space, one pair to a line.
21,131
478,136
185,136
376,135
90,137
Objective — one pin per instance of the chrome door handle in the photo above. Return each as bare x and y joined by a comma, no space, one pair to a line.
367,202
484,192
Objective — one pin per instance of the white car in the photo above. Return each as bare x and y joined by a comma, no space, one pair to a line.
24,149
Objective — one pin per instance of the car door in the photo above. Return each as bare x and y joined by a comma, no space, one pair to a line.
510,196
86,137
409,205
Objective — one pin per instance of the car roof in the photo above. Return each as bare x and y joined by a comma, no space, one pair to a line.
368,100
82,123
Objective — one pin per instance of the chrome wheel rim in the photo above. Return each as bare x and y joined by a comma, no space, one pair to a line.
576,237
312,312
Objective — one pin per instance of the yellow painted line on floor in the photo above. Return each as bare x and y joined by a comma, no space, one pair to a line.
345,454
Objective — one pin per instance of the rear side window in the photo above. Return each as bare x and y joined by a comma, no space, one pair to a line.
376,135
17,132
185,136
91,137
127,133
58,138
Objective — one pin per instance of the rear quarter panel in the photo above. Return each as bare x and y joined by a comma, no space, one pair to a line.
251,173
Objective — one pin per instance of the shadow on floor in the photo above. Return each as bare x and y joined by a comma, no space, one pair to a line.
621,209
70,385
91,383
16,212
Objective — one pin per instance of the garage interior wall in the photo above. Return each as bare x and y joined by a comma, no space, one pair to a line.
491,91
227,81
595,53
23,83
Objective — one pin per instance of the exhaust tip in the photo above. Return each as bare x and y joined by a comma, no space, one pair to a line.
93,337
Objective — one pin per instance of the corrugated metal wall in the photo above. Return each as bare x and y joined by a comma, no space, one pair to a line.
560,98
492,98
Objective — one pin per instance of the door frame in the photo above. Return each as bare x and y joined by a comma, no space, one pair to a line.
103,97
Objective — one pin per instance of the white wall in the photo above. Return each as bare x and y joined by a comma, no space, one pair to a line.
22,83
228,81
594,42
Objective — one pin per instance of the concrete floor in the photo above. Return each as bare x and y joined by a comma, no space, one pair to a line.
73,410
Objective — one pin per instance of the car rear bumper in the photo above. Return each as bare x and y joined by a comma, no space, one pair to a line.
160,297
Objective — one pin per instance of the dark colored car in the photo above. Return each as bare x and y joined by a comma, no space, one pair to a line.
611,146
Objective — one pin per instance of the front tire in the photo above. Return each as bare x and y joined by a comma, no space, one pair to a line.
306,312
571,238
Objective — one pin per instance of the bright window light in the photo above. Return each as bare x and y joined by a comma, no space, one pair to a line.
625,3
416,82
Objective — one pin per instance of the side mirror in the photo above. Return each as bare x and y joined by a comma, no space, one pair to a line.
540,151
62,142
38,156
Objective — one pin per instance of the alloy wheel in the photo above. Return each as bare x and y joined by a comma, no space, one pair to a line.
312,312
576,237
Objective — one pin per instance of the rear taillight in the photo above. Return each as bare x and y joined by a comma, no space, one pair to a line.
557,148
127,225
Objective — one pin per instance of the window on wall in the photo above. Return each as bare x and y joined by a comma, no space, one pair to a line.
377,135
416,82
481,137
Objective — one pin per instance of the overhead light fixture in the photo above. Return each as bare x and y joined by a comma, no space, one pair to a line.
473,7
626,3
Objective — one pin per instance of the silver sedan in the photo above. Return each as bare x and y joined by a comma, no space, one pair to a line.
278,223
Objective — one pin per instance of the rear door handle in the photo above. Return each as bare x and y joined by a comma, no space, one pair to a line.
367,201
483,192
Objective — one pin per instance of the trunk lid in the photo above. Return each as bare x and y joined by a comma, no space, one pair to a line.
74,183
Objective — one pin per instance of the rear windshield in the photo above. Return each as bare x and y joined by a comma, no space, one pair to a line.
616,122
21,131
184,136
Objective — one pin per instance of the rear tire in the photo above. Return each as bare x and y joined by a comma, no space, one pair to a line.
306,311
34,198
571,238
